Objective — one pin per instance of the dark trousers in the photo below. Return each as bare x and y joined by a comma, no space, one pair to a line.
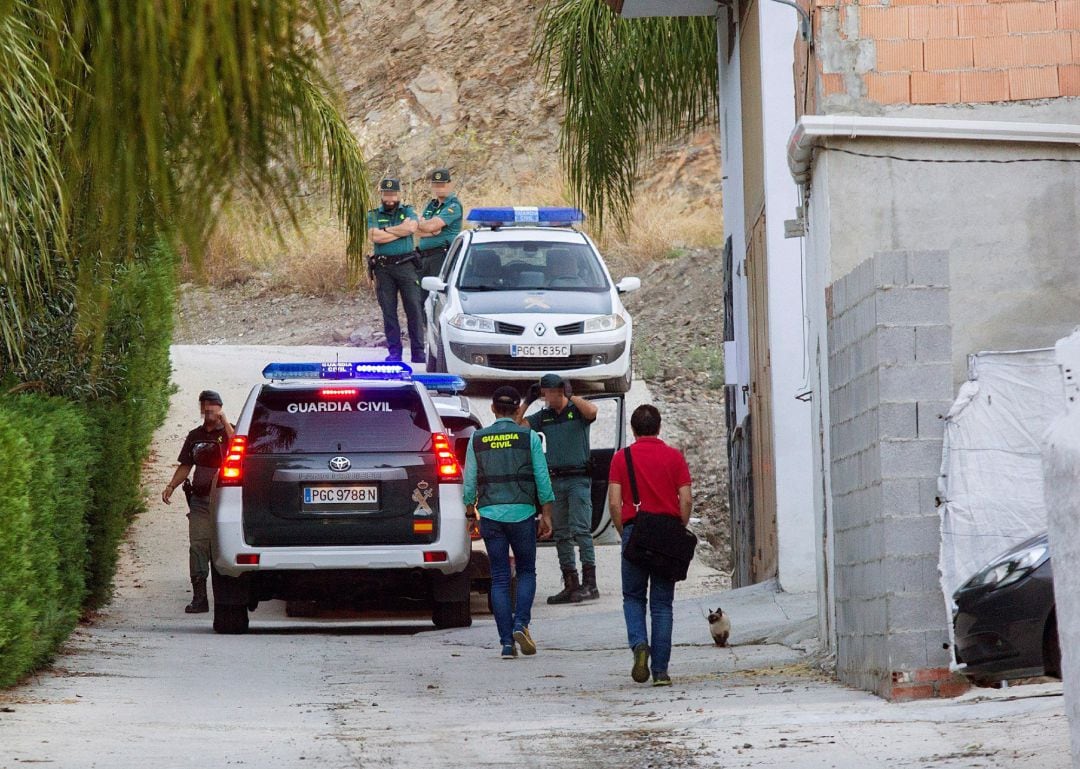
389,282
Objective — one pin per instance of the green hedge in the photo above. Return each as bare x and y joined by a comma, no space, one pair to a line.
71,470
45,464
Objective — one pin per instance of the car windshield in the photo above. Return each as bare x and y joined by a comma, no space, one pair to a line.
338,418
527,265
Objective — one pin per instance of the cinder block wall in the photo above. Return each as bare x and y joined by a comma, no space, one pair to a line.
890,383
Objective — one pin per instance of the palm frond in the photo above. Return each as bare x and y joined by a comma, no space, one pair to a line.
628,87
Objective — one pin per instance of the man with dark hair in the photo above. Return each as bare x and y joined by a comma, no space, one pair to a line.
203,450
505,476
663,483
565,423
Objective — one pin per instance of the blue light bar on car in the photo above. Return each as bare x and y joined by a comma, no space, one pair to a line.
337,370
441,383
509,215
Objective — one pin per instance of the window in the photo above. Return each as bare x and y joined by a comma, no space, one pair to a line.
532,266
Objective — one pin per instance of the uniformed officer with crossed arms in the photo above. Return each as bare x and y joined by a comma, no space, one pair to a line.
439,223
394,266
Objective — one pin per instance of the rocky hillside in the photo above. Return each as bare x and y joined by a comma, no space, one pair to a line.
450,82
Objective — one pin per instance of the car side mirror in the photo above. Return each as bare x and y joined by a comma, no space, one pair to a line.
431,283
626,285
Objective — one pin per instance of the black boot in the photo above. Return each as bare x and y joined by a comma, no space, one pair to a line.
588,590
569,593
199,602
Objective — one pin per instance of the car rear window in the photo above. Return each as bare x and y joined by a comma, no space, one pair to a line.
338,418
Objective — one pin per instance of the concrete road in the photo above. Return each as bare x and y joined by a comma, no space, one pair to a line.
145,685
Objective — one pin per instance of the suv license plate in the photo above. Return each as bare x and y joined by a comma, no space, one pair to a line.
341,495
540,350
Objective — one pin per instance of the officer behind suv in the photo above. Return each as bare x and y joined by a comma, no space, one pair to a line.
505,476
394,266
565,424
439,223
203,449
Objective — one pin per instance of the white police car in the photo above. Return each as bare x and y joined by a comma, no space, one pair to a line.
524,293
341,487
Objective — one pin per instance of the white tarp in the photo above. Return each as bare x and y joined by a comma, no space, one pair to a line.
991,479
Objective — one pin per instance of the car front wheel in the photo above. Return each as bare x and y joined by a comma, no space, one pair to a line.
619,384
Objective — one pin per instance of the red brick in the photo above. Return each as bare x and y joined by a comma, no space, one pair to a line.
1031,17
824,3
983,20
908,692
937,21
994,52
1050,48
882,23
930,675
889,88
1033,83
1068,14
935,87
832,84
984,86
953,688
949,54
1069,80
899,55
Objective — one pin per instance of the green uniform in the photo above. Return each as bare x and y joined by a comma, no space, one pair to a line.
567,436
505,472
434,247
379,218
396,273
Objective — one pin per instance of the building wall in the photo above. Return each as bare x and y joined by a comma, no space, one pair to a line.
889,375
953,52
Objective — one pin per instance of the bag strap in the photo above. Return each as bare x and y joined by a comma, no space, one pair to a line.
633,480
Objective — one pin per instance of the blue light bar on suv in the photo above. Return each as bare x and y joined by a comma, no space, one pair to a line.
451,384
510,215
343,370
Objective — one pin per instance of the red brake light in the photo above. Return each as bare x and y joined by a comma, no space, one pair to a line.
447,466
436,556
338,392
247,559
232,468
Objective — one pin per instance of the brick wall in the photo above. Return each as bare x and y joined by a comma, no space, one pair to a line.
904,52
890,380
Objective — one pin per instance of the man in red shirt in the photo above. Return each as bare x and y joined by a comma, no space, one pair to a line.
663,484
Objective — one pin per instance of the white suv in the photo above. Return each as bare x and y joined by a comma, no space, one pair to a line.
341,486
525,293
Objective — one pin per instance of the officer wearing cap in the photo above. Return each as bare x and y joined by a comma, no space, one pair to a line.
394,266
506,476
565,421
439,223
203,450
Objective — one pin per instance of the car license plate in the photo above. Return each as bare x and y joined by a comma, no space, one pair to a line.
341,495
540,350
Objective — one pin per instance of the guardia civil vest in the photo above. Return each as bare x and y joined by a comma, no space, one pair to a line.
504,474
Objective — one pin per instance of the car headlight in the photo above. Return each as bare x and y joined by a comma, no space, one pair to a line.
604,323
473,323
1010,567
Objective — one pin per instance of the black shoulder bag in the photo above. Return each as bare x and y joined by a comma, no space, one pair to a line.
658,543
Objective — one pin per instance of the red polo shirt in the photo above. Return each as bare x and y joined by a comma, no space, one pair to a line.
659,470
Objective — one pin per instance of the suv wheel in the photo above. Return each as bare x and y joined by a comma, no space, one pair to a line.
452,614
230,619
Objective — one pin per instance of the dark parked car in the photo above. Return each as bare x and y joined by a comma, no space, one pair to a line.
1005,622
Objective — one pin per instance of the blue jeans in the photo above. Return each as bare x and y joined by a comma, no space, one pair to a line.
571,520
661,594
500,538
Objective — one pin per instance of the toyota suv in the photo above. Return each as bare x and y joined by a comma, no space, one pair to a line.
342,487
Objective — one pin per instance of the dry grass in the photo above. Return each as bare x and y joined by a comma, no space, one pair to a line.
244,246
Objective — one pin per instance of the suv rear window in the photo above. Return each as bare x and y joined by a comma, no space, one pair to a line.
338,417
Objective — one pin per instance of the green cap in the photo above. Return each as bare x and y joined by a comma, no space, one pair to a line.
440,175
390,185
551,381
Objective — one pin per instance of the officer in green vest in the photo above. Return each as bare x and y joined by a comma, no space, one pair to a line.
565,421
506,478
395,268
439,223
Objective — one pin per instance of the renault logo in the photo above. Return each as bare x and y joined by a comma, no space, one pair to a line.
340,464
540,329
